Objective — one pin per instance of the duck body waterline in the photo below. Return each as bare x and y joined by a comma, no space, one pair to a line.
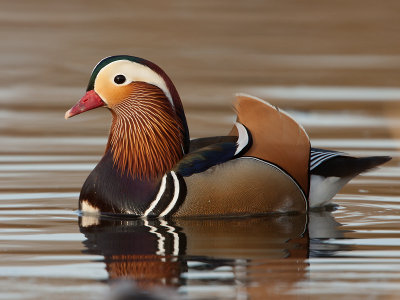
152,169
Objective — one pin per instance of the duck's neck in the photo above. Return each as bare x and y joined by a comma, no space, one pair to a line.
146,137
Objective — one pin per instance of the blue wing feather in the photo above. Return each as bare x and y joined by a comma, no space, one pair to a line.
204,158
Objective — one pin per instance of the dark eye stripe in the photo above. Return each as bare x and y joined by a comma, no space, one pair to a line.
119,79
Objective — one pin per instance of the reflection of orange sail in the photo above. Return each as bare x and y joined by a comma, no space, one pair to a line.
275,279
301,248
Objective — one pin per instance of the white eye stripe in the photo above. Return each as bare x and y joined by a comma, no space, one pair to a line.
133,72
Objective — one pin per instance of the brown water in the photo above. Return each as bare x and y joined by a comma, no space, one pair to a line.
335,66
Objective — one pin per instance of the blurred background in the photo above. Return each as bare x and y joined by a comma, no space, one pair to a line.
280,50
334,65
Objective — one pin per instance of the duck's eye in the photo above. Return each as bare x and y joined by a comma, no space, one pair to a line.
119,79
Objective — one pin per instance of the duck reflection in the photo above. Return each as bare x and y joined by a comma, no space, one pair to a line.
147,251
181,252
322,226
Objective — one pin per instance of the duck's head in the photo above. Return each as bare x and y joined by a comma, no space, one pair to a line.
149,132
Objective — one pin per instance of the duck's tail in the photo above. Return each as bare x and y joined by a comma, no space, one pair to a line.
331,170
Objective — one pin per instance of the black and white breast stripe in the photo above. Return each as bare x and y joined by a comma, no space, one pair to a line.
318,156
169,197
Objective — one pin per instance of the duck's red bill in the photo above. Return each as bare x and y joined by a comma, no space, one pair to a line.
90,101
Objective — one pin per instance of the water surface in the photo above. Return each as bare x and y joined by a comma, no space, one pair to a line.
334,66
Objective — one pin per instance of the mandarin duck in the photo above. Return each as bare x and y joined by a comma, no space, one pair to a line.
151,168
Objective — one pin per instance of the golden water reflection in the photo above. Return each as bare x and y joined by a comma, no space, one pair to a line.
334,65
259,256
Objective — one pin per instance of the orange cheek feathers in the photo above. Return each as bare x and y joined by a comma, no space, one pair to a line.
113,94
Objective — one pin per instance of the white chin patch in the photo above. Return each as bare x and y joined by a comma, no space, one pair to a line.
86,207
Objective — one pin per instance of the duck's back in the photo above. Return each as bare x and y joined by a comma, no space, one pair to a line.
271,176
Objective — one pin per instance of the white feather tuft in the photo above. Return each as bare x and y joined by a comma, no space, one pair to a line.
243,139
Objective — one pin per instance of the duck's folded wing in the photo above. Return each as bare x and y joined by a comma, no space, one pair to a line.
196,144
204,155
202,159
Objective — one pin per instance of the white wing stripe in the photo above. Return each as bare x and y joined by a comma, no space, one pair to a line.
318,158
317,154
